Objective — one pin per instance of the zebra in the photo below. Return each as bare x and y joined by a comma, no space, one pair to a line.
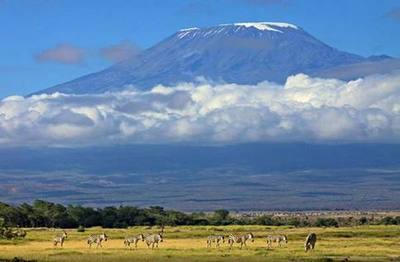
133,239
217,239
96,239
241,239
278,239
59,239
153,240
310,242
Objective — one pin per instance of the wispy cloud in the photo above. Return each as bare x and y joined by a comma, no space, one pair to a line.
64,53
120,51
394,14
304,109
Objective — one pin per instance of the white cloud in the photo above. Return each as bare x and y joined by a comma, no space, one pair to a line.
304,109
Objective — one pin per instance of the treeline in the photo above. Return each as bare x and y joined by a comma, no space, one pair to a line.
47,214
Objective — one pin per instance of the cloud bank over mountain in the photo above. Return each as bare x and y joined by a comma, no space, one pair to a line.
303,109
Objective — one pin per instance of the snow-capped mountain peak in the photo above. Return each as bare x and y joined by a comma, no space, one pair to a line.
189,29
266,26
277,27
243,53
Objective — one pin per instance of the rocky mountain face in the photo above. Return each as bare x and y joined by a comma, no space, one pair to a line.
243,53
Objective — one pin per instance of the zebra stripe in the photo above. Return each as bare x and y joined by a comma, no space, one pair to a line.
217,239
240,239
310,242
60,239
153,240
133,239
96,239
277,239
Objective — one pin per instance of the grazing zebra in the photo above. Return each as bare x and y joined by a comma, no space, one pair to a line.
242,239
217,239
96,239
277,239
310,242
59,239
153,239
19,233
133,239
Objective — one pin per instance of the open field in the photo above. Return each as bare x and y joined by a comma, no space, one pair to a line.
187,243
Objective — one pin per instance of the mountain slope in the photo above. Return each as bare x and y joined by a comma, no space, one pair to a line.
243,53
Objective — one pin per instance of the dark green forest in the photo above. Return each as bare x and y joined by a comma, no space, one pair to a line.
46,214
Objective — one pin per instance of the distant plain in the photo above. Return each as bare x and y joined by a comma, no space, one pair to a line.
196,178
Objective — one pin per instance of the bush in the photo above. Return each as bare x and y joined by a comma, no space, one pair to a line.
81,229
363,221
388,221
326,222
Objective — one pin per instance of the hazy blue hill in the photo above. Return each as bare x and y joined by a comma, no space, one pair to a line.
242,177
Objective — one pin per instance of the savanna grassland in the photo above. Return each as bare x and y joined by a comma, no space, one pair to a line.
188,243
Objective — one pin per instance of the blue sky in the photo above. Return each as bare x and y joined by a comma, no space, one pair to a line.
34,32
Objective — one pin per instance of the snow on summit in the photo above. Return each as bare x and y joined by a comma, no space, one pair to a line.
262,26
209,31
189,29
267,26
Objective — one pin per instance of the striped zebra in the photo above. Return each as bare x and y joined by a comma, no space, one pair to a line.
241,239
96,239
59,239
277,239
133,239
153,240
310,242
217,239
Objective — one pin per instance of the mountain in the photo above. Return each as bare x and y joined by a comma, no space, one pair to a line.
243,53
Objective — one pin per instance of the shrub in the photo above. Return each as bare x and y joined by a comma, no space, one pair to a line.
81,229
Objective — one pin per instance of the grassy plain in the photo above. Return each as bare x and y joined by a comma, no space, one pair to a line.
187,243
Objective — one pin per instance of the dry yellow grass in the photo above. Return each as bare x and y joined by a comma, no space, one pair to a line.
368,243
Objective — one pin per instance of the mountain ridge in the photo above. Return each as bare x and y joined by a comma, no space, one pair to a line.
242,53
